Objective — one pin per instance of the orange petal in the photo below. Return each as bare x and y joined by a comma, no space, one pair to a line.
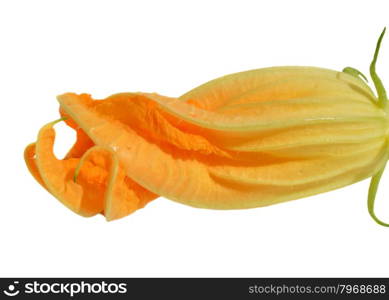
126,197
88,185
29,157
57,174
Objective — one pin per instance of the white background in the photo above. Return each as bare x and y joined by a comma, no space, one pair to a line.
104,47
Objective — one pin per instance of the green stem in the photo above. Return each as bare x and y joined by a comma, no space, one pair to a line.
382,102
375,181
58,120
382,98
354,72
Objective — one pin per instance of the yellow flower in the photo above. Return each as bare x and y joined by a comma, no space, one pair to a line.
244,140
